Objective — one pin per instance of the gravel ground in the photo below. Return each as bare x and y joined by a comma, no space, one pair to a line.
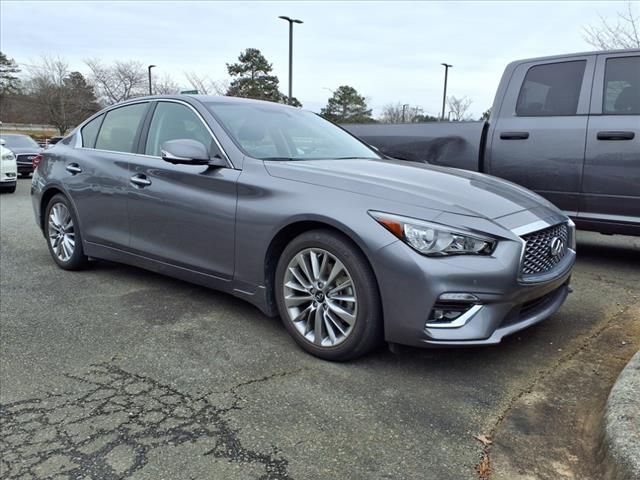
115,372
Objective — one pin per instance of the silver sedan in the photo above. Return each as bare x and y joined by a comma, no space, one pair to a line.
286,210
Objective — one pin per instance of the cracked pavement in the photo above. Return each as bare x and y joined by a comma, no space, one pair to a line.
116,372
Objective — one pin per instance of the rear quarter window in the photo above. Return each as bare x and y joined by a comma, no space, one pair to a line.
90,132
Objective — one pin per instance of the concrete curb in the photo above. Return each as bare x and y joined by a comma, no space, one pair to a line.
621,425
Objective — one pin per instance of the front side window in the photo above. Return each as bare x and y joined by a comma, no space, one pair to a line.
119,128
551,89
622,86
282,133
173,121
90,132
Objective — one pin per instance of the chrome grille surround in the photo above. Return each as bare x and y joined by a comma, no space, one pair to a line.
537,257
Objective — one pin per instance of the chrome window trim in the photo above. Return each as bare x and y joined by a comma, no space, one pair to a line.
171,100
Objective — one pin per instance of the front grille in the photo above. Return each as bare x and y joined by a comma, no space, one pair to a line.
25,158
539,254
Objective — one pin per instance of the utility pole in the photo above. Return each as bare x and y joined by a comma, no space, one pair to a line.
150,85
404,109
444,95
291,22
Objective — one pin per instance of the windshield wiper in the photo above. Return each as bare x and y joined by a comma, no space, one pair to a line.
356,158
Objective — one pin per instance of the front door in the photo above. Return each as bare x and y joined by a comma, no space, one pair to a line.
538,139
183,215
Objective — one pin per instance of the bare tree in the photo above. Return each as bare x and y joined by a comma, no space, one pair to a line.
117,82
622,32
398,113
62,97
458,108
165,86
205,85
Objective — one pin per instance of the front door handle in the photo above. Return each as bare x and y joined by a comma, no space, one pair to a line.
514,135
140,181
73,168
616,135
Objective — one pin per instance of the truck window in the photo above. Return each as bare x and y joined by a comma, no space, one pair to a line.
551,89
622,86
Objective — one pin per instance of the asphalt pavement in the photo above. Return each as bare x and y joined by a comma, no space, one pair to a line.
116,372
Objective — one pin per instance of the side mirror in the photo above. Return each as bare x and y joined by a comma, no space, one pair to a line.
185,151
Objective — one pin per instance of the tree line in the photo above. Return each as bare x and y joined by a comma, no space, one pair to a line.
49,92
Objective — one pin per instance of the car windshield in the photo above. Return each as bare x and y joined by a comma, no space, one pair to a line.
279,133
19,141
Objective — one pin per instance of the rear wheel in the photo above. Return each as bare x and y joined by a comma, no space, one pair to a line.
63,235
327,296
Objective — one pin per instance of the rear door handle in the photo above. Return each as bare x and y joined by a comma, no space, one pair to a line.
140,181
73,168
514,135
616,135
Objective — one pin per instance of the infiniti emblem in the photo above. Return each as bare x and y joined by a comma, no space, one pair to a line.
556,245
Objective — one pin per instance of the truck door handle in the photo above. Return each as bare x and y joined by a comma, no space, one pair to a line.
616,135
140,181
514,135
73,168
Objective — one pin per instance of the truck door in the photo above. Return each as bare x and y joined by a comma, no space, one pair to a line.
538,139
611,179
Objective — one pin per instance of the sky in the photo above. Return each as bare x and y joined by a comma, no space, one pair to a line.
390,51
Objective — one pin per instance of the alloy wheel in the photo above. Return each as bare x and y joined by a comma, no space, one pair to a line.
61,232
320,297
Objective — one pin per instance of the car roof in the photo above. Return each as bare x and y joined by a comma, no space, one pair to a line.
578,54
208,99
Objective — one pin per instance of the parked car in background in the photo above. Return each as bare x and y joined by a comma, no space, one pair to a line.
284,209
566,127
52,141
8,169
25,149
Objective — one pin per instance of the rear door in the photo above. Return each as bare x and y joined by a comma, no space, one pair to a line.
538,139
96,173
183,215
611,182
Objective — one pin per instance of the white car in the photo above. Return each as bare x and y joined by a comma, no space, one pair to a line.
8,169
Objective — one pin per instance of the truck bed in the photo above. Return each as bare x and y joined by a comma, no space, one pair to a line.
450,144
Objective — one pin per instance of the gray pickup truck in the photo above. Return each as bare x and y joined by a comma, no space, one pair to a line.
566,127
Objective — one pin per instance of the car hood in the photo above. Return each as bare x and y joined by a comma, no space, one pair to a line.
25,150
445,189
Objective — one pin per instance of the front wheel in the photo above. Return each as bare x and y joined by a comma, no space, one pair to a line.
63,235
328,297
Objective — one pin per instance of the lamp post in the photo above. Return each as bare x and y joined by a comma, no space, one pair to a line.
404,109
444,95
291,22
150,87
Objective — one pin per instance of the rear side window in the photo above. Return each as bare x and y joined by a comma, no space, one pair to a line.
172,121
118,131
90,132
551,89
622,86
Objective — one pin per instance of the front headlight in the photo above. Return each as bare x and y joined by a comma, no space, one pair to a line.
433,239
8,156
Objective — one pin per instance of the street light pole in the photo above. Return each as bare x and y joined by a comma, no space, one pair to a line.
444,95
291,22
150,87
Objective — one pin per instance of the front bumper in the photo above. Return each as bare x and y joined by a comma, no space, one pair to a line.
411,284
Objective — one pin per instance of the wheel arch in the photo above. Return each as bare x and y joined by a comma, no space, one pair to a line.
46,197
290,231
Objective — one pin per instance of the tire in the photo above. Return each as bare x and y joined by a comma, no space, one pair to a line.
334,320
63,238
